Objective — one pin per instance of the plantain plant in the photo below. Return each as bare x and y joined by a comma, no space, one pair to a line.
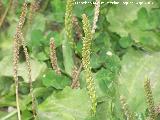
69,80
149,99
68,42
16,54
20,41
87,40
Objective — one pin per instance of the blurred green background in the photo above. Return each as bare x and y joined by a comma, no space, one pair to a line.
131,33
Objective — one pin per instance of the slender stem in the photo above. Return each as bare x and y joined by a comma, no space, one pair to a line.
86,51
9,115
68,42
16,55
29,75
15,64
5,13
94,26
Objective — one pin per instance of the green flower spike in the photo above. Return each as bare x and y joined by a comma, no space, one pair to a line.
149,99
68,21
68,42
86,62
128,114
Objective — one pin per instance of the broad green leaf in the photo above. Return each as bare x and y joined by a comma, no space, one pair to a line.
144,29
50,78
105,82
7,67
103,112
154,17
143,19
101,42
58,8
67,55
5,45
5,84
42,56
106,111
58,38
119,16
68,104
79,47
95,61
80,9
8,115
26,115
36,37
141,23
105,77
39,22
136,66
40,93
125,42
8,100
148,40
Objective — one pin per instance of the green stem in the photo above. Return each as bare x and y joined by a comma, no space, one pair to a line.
68,42
67,57
9,115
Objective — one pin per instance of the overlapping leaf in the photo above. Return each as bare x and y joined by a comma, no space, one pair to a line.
136,66
68,104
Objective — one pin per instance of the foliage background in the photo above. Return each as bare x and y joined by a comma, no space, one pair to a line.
131,33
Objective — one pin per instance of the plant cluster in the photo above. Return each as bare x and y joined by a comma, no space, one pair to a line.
63,61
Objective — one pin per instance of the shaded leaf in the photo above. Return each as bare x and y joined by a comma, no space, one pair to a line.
50,78
135,66
66,105
7,67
